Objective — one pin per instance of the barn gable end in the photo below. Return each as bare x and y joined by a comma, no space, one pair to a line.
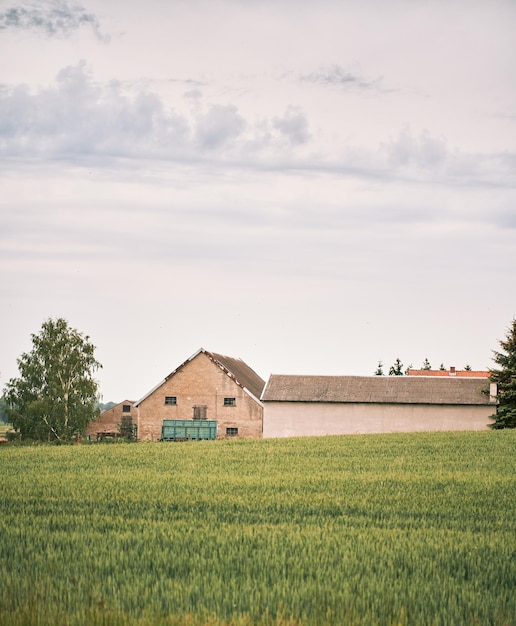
208,386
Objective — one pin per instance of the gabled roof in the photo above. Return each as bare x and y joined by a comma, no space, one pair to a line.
236,369
131,402
241,373
377,389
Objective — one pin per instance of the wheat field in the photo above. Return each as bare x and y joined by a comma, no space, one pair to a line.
360,530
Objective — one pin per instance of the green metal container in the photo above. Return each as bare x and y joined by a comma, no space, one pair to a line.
186,430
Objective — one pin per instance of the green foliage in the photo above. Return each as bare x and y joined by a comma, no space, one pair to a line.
4,418
379,369
426,365
396,369
105,406
126,427
374,530
505,378
55,395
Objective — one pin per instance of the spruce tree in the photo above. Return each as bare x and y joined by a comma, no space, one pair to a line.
396,369
505,378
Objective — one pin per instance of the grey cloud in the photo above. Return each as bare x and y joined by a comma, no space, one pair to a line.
219,126
52,18
432,158
293,125
79,118
193,94
337,75
424,151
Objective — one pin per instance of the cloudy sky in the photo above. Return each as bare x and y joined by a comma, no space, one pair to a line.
310,186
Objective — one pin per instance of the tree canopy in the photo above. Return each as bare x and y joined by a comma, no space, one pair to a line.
505,378
55,395
3,411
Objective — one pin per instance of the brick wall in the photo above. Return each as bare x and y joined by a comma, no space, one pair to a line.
110,420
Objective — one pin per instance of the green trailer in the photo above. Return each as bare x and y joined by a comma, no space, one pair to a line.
188,430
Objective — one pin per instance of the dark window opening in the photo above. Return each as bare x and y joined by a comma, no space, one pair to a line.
126,408
171,400
229,401
200,411
231,432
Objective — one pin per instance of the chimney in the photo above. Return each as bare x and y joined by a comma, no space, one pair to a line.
452,371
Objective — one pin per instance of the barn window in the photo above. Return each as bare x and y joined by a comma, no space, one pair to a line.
231,432
229,401
172,400
199,411
126,408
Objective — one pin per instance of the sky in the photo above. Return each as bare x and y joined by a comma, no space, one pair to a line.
313,187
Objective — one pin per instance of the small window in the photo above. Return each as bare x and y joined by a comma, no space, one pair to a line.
126,408
231,432
229,401
171,400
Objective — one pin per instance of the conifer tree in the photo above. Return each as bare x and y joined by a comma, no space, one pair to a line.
379,369
505,378
396,369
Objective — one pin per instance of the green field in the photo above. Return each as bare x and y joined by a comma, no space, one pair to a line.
377,529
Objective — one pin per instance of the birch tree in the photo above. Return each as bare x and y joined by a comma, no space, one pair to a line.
55,396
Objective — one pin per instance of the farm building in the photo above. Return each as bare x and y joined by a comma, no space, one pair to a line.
120,419
207,386
333,405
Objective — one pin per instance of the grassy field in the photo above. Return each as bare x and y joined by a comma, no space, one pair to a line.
364,530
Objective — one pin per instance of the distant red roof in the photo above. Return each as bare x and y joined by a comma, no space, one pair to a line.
451,372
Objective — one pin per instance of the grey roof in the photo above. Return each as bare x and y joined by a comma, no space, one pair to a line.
240,372
377,389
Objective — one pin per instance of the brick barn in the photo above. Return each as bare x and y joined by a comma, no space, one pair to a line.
207,386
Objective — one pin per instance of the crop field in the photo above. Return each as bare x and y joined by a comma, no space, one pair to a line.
416,529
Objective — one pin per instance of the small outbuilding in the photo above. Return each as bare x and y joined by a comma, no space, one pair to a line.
118,420
334,405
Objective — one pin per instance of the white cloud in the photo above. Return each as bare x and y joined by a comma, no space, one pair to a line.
219,126
293,125
78,119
